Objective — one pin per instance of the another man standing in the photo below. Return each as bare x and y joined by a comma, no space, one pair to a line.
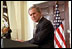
44,34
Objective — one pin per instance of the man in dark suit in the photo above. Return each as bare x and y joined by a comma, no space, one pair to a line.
44,34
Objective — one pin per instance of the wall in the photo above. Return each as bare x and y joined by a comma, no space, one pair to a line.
69,31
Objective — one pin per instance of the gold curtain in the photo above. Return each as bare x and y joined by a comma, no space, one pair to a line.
19,20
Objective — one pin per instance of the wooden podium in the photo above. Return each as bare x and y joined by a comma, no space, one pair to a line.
7,43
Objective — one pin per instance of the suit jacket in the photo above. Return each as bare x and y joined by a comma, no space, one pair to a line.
44,34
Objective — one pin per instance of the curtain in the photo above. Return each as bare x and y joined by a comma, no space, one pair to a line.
19,20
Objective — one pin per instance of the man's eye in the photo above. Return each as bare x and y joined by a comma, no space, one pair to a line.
33,13
30,14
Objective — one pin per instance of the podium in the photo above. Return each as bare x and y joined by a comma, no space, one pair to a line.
7,43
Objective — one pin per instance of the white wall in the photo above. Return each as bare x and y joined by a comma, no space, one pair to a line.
69,31
69,4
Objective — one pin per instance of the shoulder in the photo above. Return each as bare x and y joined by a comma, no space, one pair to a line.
44,21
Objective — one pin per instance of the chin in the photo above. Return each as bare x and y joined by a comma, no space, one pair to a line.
35,21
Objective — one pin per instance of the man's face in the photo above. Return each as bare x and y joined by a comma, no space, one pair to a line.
35,15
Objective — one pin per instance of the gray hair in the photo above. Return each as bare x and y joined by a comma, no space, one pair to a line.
37,8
